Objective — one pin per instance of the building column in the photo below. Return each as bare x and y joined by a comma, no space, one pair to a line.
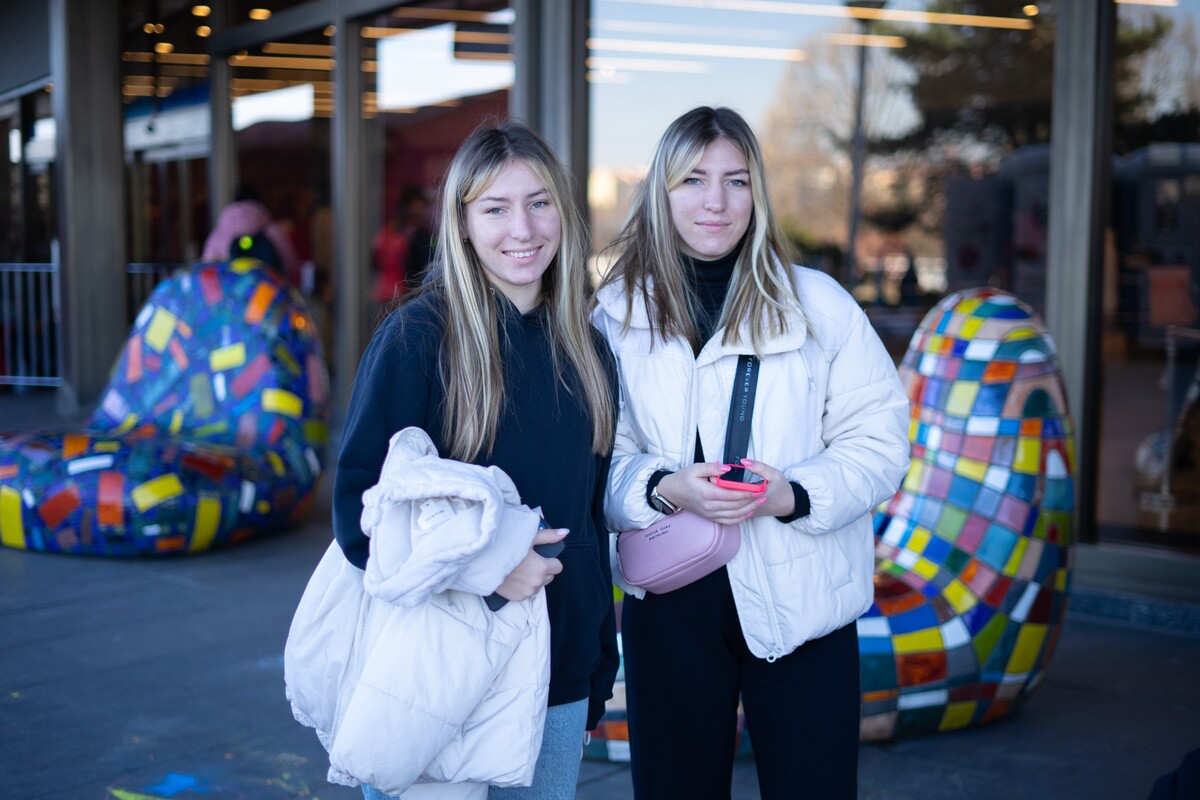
1080,180
85,69
551,91
351,253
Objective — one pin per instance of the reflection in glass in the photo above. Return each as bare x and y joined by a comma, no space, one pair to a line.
432,74
1149,466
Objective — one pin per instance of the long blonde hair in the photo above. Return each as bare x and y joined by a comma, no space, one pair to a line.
470,366
649,248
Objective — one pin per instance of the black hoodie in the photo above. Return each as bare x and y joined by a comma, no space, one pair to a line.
543,443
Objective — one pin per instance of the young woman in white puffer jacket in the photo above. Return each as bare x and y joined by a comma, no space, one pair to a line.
701,276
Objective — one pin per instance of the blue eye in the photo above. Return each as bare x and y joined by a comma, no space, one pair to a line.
738,182
541,204
691,181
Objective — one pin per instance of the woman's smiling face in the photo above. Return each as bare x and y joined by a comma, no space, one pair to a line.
515,229
711,208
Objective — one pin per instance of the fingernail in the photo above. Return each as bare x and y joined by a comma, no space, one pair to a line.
725,468
747,461
762,500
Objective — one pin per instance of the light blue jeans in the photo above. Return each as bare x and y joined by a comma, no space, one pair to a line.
554,777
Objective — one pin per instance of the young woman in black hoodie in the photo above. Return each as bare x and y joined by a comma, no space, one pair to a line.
495,359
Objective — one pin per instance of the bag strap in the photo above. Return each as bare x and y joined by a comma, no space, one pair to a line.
741,408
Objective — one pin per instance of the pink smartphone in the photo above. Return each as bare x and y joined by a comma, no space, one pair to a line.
742,479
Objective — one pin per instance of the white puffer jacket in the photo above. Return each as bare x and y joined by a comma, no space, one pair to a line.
829,412
403,671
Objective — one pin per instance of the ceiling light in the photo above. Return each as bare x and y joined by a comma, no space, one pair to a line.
201,11
203,31
1031,10
260,13
163,47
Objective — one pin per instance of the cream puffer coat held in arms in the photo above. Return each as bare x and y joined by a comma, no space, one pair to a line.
829,412
403,671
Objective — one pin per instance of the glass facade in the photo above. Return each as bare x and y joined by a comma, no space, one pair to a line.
951,185
907,143
433,71
1149,466
938,175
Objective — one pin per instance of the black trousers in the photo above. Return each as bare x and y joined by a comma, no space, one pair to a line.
686,664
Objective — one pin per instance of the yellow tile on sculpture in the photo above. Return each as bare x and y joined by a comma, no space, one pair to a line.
1014,558
243,265
156,491
962,398
1018,334
106,447
959,596
229,357
176,422
912,481
262,506
1060,579
958,715
970,468
970,328
126,425
12,527
917,540
924,641
1028,459
965,307
1027,648
282,402
159,331
210,429
276,462
208,518
315,431
925,568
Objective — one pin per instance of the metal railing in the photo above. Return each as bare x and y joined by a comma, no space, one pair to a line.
31,317
30,325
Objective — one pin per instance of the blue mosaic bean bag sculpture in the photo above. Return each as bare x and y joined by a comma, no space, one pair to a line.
211,430
973,553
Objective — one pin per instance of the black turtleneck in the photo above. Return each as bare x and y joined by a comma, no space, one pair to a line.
709,281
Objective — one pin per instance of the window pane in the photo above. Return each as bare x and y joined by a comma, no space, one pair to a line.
1149,470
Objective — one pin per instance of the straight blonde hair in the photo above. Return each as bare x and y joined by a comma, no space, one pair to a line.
470,367
649,258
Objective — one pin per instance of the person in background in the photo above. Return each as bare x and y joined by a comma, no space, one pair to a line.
701,276
246,216
494,358
390,255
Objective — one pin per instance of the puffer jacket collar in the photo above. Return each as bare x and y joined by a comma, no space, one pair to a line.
610,298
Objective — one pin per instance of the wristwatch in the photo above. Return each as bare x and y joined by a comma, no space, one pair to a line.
660,503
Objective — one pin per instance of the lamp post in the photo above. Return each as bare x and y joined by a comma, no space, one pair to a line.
858,151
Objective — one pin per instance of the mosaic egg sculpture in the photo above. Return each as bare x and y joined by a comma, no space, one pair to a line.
974,552
211,430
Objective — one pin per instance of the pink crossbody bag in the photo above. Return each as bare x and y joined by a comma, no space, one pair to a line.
684,547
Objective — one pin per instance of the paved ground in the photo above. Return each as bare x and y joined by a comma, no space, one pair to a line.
124,680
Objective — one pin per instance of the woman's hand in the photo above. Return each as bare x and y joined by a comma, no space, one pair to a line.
534,571
779,500
692,488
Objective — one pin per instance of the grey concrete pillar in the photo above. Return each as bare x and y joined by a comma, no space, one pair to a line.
551,91
1080,175
351,253
85,50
